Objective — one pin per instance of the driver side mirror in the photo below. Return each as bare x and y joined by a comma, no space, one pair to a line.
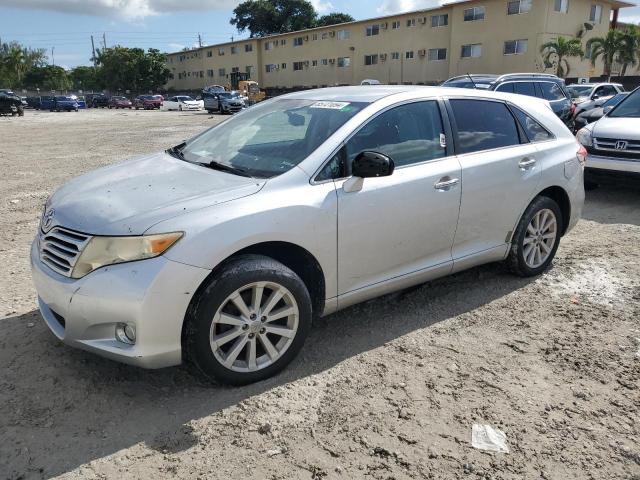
369,164
595,97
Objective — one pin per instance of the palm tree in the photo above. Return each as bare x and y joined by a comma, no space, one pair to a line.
630,48
608,48
557,53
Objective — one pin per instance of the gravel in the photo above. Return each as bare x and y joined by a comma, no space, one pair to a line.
385,390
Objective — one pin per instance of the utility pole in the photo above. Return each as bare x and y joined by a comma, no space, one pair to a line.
93,49
199,40
53,58
104,40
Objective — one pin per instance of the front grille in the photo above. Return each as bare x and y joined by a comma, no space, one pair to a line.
612,147
60,249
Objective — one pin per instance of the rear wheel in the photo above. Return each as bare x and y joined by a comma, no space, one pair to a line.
536,238
249,321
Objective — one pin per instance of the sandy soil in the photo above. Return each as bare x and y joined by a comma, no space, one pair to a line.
385,390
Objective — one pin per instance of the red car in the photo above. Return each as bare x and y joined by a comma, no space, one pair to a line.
120,102
148,102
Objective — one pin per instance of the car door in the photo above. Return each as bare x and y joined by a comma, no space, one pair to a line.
401,225
172,103
499,174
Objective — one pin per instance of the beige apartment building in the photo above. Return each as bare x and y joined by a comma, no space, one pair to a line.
421,47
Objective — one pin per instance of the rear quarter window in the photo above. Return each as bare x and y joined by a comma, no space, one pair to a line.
532,128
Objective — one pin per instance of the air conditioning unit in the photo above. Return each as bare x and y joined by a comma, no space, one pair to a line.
306,63
383,57
332,33
422,20
422,52
306,38
384,26
332,61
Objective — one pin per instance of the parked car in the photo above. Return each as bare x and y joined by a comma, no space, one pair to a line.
181,102
541,85
370,81
590,95
147,102
64,103
225,102
120,102
222,249
613,142
595,114
80,100
99,101
46,102
11,104
33,102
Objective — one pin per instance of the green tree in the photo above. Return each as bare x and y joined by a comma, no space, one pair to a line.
556,53
608,48
123,68
16,60
333,19
629,48
49,77
85,78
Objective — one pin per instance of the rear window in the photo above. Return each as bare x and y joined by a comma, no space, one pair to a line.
484,125
525,88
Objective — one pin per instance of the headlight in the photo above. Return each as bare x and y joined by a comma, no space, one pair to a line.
102,251
584,137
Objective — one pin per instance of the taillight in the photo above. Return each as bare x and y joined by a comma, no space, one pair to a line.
573,109
582,156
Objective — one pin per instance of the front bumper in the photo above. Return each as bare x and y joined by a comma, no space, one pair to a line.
152,295
617,164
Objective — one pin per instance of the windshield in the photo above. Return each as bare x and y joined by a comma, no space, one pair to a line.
272,137
228,94
579,90
628,107
64,99
616,99
184,99
466,82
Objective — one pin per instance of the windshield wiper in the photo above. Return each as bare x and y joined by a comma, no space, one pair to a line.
177,151
226,168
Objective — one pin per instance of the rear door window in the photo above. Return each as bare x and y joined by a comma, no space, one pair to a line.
551,91
606,91
505,87
483,125
524,88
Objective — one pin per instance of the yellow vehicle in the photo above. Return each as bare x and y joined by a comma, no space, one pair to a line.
251,90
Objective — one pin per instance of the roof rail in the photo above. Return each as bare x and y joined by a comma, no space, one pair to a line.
534,75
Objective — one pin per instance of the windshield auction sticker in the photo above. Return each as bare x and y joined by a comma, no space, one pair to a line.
330,105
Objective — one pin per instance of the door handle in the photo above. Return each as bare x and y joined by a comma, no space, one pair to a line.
446,183
527,163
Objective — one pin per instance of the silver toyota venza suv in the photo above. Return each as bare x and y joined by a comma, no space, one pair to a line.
221,250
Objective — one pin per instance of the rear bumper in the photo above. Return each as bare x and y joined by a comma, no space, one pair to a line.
152,295
617,164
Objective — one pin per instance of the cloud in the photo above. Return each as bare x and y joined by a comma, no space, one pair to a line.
131,9
322,7
389,7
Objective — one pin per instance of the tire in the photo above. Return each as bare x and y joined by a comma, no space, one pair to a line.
520,261
180,108
238,275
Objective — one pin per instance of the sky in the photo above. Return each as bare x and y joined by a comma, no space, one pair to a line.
66,26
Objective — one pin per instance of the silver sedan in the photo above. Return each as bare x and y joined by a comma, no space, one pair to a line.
221,250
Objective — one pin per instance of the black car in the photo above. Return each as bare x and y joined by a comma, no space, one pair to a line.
541,85
595,114
10,104
97,101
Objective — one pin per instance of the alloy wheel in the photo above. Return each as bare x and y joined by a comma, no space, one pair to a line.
254,326
540,238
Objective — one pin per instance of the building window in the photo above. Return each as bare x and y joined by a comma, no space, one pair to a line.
344,34
248,47
209,53
561,6
344,62
371,59
222,72
221,52
473,14
471,51
515,47
373,30
268,46
209,73
411,22
314,36
235,69
271,67
234,50
298,41
249,69
325,61
325,35
516,7
283,41
395,56
283,66
440,20
596,14
408,55
298,66
395,25
314,63
437,54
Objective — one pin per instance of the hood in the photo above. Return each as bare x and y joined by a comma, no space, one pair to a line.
190,102
619,128
130,197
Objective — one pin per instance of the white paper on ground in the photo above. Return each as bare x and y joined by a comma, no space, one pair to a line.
484,437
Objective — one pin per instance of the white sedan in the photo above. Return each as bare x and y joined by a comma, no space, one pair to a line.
181,102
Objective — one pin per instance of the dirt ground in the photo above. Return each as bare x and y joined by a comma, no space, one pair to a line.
385,390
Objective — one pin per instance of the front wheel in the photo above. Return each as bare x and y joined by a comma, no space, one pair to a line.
536,238
248,322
